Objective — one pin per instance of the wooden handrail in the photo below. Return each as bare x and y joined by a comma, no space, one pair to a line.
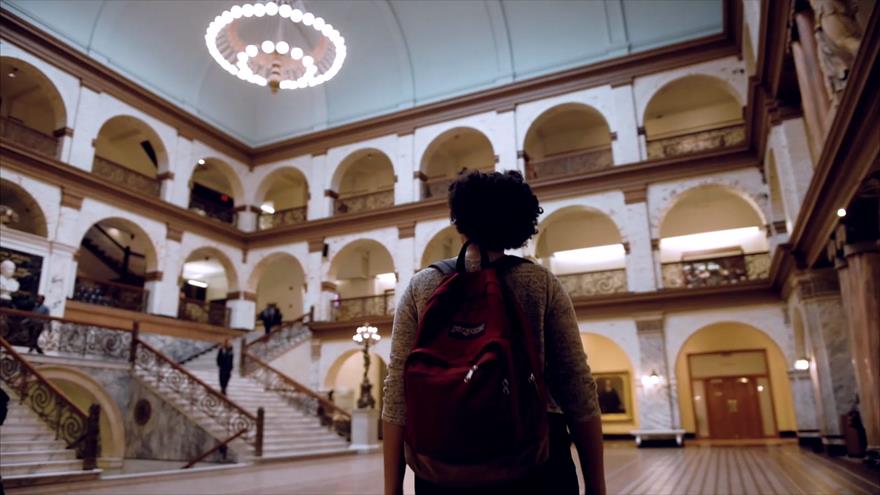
326,404
385,295
181,369
278,328
594,271
127,169
569,154
113,284
688,132
368,193
217,447
28,314
717,258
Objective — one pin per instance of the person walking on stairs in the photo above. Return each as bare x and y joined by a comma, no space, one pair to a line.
224,364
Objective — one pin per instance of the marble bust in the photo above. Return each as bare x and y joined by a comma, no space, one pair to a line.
8,284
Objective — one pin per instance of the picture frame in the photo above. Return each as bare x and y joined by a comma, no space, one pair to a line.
614,389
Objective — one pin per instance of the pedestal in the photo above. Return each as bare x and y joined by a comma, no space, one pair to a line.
365,430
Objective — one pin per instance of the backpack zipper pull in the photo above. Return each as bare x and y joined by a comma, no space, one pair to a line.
470,373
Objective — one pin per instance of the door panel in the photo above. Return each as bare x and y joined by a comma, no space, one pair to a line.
733,408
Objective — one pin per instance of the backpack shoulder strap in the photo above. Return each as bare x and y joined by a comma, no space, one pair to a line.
445,267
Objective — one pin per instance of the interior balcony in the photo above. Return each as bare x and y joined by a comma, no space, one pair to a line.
450,154
32,114
128,153
211,191
364,201
363,181
125,176
569,163
362,308
14,130
284,196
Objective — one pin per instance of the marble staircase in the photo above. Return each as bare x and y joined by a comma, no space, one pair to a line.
30,454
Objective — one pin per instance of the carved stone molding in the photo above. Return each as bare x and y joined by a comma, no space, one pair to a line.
152,276
650,324
818,283
173,233
63,131
165,176
779,227
406,231
637,194
71,199
316,245
328,286
247,296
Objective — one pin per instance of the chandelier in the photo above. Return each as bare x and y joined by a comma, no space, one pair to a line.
277,44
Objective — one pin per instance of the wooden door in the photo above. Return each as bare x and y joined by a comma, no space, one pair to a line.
733,408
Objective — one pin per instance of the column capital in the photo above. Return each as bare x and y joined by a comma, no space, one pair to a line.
71,199
650,324
817,283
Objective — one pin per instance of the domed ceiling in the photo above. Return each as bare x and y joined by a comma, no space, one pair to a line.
400,53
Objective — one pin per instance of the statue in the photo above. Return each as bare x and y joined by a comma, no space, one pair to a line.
8,284
837,37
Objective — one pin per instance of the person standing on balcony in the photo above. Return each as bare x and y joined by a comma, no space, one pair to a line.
271,317
225,357
493,212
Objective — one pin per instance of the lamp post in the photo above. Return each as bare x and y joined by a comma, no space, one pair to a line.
366,336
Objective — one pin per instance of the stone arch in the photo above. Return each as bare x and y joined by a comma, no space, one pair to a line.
608,361
344,264
131,143
286,176
567,128
214,254
449,153
574,229
220,174
731,336
29,216
697,77
48,98
364,180
362,158
286,270
444,244
83,390
150,249
345,374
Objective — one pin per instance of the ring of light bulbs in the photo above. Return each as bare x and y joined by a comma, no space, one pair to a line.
241,67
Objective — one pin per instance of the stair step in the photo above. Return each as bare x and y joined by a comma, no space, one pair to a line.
25,428
26,437
40,467
37,455
11,446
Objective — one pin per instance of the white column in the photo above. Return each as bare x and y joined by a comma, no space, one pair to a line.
246,219
61,275
804,407
165,292
640,269
626,148
65,143
794,165
658,407
242,313
404,260
505,140
320,206
407,188
88,123
313,278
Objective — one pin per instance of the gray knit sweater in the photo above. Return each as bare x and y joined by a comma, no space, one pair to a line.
547,307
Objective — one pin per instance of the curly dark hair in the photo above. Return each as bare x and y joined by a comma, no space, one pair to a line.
495,210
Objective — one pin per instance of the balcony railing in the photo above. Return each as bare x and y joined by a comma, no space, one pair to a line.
437,187
574,162
124,176
727,270
113,294
364,202
212,210
23,135
203,312
695,142
288,216
358,308
594,283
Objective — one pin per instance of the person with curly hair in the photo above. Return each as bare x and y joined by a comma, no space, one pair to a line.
495,212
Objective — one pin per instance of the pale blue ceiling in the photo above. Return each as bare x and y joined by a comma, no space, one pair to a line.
401,53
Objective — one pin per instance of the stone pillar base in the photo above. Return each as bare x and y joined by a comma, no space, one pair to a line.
365,430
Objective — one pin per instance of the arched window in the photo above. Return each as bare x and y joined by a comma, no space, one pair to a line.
31,111
693,114
451,152
567,139
712,236
129,153
363,181
584,249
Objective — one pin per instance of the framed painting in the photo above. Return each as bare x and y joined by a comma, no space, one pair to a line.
615,395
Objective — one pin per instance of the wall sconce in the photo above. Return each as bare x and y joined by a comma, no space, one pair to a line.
652,380
802,364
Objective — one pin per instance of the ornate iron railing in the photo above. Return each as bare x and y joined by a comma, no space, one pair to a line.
197,395
281,339
297,395
29,138
203,312
354,308
64,336
78,430
212,210
574,162
290,216
696,142
124,176
113,294
727,270
594,283
364,202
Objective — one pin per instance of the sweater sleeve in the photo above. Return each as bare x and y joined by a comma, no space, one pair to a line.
403,334
568,374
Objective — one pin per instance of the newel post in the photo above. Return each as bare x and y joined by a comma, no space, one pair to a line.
91,449
135,336
258,442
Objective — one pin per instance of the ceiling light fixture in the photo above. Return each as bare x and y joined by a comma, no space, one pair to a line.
198,283
303,51
13,73
841,212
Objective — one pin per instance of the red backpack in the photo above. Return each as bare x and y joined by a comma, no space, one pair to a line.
476,403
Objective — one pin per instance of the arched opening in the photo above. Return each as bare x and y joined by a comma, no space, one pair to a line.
20,211
615,379
584,249
206,279
449,154
346,374
84,391
279,279
32,113
733,383
444,245
129,153
712,236
363,181
567,139
777,202
364,279
283,196
692,114
213,189
113,261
